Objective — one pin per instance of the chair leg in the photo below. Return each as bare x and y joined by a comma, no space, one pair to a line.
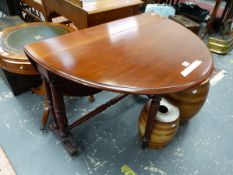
213,16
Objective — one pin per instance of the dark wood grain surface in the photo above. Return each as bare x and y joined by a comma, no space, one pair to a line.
142,54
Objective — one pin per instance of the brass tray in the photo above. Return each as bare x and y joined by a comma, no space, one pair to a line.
220,44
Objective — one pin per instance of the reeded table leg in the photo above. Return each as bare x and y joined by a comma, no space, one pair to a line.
154,106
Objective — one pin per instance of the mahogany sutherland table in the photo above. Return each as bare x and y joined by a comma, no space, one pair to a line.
144,54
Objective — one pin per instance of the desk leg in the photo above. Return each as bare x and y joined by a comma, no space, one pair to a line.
154,106
60,114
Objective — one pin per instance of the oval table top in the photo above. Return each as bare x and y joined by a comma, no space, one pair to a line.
143,54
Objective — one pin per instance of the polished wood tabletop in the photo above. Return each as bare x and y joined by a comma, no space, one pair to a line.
143,54
97,6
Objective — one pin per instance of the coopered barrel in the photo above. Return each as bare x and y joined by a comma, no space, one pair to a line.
166,125
190,101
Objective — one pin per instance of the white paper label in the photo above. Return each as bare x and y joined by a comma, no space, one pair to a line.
190,68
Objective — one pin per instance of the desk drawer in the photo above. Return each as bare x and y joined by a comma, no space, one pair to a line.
18,67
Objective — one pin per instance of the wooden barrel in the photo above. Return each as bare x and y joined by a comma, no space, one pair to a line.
166,125
190,101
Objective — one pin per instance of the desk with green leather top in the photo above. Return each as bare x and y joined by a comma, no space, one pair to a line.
15,64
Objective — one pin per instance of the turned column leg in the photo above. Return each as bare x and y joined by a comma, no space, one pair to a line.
60,114
48,106
154,106
59,107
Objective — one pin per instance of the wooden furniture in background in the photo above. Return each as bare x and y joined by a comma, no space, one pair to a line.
89,13
16,82
13,39
226,17
14,62
223,43
186,22
32,10
108,57
213,17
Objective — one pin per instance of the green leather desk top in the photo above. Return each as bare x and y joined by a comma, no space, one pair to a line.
15,38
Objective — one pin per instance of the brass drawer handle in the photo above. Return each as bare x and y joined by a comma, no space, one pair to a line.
21,67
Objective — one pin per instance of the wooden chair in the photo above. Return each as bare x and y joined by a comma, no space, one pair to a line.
32,10
225,21
72,9
69,8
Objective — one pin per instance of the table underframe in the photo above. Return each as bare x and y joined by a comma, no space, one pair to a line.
60,126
